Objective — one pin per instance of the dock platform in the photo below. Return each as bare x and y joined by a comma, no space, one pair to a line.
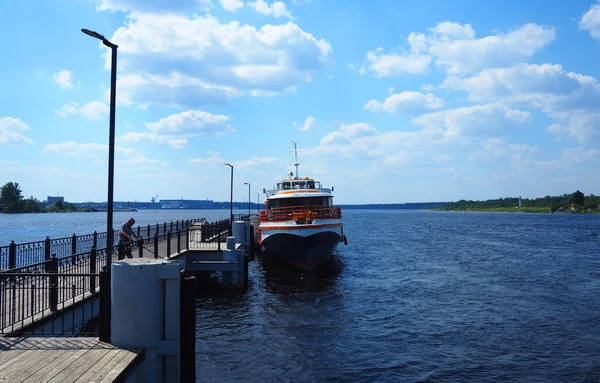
63,359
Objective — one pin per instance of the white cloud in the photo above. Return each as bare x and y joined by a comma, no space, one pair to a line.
572,99
477,120
454,47
277,8
389,65
176,143
88,150
191,123
11,130
191,61
176,128
231,5
64,79
590,21
154,6
94,110
406,102
263,164
212,161
308,124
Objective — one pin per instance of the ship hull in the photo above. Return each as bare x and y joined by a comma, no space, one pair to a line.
300,250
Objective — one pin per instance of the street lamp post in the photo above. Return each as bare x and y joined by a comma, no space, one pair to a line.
248,183
106,309
111,144
231,195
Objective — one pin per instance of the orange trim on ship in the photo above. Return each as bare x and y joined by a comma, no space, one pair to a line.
300,191
296,227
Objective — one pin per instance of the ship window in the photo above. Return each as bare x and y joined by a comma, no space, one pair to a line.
311,184
286,186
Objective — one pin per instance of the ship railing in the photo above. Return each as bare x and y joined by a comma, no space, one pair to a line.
291,212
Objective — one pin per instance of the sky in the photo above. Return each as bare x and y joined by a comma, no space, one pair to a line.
389,101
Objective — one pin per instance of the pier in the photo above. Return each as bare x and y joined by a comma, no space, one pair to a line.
55,301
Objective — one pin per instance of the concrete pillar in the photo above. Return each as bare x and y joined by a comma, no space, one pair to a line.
143,292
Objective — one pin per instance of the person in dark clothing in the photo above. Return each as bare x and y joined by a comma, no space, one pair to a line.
126,235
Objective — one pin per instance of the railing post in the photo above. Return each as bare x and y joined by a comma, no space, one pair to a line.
12,255
168,244
165,228
92,270
148,231
156,244
104,335
187,335
53,282
140,244
47,245
157,228
73,248
178,241
177,225
95,240
138,231
187,238
171,227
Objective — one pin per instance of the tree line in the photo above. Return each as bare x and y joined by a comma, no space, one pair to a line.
577,200
12,201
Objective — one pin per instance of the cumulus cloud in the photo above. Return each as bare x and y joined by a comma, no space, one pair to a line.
64,79
406,102
477,120
308,124
176,128
277,8
231,5
11,131
81,150
94,110
454,47
154,6
590,21
189,61
570,98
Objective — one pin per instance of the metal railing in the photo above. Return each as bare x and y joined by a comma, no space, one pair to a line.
35,293
303,212
23,254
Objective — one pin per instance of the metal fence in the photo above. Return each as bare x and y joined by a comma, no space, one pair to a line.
34,293
23,254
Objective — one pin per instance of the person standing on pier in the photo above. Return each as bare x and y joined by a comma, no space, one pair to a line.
125,238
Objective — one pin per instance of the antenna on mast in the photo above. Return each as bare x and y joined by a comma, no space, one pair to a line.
296,157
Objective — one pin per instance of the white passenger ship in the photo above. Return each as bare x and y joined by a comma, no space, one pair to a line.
300,226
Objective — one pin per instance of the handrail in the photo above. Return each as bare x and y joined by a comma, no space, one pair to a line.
291,213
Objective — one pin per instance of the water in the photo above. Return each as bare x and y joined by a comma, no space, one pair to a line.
416,296
23,228
420,297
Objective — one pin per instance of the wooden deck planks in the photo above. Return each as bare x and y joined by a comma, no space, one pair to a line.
61,359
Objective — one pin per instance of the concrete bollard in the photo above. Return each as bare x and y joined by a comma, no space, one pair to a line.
230,243
145,297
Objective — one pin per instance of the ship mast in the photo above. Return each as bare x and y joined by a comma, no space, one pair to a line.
296,156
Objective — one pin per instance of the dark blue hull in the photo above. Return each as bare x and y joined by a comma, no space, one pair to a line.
305,253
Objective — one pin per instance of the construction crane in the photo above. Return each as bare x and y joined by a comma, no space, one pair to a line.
154,199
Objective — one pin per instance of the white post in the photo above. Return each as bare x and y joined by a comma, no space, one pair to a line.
143,292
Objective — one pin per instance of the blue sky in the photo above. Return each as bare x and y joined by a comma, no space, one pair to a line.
389,101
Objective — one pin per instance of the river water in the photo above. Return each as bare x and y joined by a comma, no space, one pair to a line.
416,296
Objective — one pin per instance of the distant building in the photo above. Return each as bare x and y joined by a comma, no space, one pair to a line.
186,204
53,200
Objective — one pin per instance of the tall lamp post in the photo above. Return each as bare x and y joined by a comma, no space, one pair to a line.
247,183
231,195
105,336
111,141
